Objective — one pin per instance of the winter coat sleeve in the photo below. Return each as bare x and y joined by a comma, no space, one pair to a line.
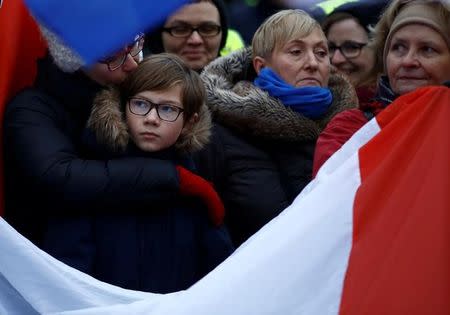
336,133
41,151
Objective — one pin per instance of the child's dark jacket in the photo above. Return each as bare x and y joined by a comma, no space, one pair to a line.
162,248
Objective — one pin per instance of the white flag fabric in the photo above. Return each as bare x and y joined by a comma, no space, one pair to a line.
370,235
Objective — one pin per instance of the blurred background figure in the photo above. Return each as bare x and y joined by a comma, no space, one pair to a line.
412,45
196,33
348,34
320,9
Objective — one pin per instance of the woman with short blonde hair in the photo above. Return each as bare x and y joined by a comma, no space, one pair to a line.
281,28
271,101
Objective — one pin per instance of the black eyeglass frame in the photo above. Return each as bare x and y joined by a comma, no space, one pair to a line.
139,41
193,29
358,45
156,106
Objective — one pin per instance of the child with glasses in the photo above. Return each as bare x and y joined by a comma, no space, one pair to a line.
157,112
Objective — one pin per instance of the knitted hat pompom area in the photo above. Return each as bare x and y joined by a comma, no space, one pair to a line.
64,57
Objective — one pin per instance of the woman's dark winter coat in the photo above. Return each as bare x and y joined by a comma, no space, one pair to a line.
261,153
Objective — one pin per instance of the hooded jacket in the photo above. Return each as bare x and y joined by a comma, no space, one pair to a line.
261,153
157,248
110,129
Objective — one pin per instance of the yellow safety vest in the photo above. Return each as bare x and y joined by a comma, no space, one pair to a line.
234,42
328,6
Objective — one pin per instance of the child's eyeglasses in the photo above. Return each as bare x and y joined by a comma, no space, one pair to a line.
141,107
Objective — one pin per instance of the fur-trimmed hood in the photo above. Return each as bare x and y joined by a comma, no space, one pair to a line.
238,104
107,121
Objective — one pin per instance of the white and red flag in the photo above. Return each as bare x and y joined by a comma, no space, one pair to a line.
370,235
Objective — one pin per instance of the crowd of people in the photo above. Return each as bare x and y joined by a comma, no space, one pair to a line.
151,166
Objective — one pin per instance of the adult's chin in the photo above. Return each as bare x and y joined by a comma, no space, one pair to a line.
403,87
196,64
304,83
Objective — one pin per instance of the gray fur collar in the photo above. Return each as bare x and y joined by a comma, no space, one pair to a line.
108,124
236,103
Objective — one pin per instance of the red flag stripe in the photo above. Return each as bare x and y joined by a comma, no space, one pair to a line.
400,258
20,46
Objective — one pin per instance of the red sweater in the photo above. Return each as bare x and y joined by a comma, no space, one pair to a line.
339,130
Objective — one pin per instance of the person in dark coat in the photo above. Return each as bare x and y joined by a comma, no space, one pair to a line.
270,104
47,170
413,50
157,112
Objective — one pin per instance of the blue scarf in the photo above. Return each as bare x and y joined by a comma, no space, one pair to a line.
310,101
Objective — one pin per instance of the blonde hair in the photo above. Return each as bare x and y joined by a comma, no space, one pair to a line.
383,27
280,28
160,72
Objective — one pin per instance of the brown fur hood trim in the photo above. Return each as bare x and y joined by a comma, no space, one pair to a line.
108,124
238,104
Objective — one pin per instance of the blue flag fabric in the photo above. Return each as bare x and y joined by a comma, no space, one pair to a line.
96,28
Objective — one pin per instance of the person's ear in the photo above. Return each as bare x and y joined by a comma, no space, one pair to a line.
188,124
258,63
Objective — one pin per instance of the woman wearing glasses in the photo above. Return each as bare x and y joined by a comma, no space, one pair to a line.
196,33
412,42
47,166
348,37
42,133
